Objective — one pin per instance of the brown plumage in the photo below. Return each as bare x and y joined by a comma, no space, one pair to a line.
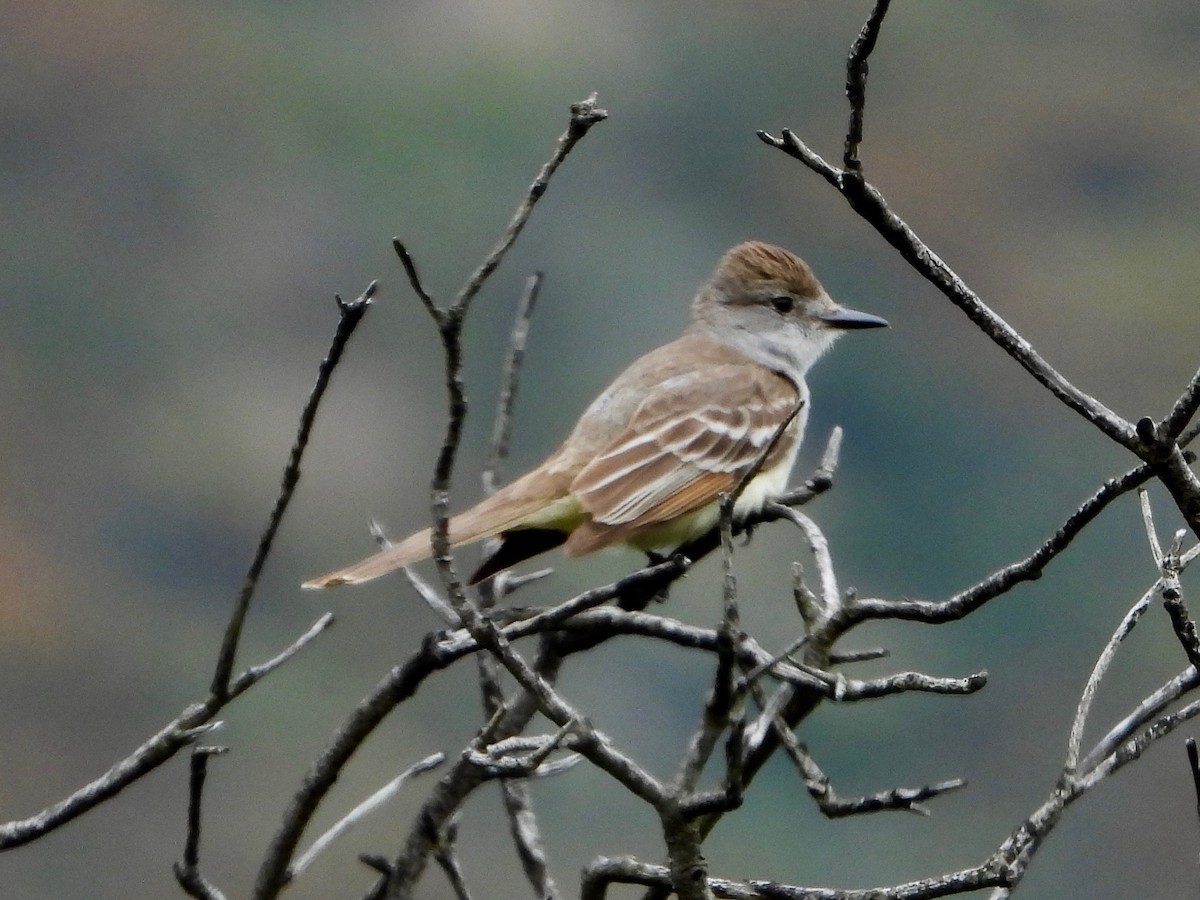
647,462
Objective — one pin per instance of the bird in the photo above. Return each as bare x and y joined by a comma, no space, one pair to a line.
649,461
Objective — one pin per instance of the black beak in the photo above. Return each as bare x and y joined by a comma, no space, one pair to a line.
852,318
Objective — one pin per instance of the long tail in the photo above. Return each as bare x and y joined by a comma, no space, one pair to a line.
536,501
413,548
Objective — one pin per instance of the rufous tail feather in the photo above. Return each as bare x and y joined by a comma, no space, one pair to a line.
519,505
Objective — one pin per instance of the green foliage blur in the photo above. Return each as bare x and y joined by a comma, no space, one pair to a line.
184,187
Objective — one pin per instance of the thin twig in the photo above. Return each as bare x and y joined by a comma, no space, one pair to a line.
1075,742
446,858
350,314
821,479
195,721
1183,410
508,582
1149,707
414,280
718,704
452,790
1194,767
450,320
829,599
432,598
1136,745
509,379
1003,580
257,673
323,772
187,871
1148,521
856,82
399,684
584,115
527,838
810,608
816,782
592,743
762,668
849,689
721,705
603,872
1182,624
841,657
360,812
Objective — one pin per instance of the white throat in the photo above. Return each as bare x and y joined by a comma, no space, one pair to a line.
790,350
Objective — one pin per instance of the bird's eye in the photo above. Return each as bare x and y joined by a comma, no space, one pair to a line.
783,304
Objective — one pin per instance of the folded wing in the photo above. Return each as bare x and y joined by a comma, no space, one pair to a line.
690,441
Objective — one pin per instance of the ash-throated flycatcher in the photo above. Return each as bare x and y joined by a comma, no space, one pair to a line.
649,460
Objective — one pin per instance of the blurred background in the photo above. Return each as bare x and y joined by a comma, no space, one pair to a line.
184,188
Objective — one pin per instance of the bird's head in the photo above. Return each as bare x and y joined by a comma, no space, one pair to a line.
767,303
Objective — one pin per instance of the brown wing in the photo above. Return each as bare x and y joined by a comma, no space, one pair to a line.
690,440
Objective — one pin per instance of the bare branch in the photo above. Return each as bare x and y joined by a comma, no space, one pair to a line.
592,743
1146,710
1194,767
811,609
1148,521
715,716
762,668
816,782
452,790
584,115
360,812
509,378
1182,412
605,871
841,657
190,725
870,204
1183,625
527,838
508,583
432,598
187,872
499,761
1174,472
829,599
904,682
1133,748
414,280
722,706
256,673
821,479
350,315
1000,582
1098,672
396,686
648,580
797,149
856,82
446,858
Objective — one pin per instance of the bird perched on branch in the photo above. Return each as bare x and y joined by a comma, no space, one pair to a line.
650,459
